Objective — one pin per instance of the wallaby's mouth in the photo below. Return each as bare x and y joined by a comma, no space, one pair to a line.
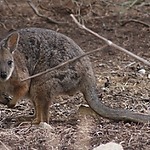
3,80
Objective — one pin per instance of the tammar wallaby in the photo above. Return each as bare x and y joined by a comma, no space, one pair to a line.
32,50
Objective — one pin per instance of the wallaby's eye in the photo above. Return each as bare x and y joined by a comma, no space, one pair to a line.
9,62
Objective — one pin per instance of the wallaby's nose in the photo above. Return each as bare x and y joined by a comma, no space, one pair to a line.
3,75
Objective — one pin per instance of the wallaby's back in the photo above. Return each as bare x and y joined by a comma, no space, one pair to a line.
46,48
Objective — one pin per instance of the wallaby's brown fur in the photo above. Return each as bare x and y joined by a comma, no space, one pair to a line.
29,51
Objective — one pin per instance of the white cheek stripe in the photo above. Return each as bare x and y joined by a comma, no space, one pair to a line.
11,71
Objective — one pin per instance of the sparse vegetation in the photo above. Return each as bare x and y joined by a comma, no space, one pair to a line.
74,127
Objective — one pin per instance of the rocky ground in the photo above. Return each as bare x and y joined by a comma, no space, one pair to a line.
122,81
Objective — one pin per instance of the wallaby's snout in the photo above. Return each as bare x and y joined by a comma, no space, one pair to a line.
6,65
3,75
7,48
6,69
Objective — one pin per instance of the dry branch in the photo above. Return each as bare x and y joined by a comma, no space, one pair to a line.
48,19
136,21
110,43
133,3
65,63
4,146
4,26
8,6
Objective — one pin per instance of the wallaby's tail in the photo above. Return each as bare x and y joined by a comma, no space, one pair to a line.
91,97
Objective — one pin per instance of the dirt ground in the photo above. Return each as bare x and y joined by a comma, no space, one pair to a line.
122,81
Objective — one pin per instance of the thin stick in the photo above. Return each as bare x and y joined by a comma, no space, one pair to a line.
134,2
110,43
4,26
50,20
64,63
4,145
8,6
136,21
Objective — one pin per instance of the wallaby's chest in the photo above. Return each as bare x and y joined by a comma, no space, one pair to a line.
7,87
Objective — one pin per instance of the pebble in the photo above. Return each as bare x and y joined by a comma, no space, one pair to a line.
142,71
109,146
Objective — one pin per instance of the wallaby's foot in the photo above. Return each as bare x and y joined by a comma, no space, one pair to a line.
41,103
36,121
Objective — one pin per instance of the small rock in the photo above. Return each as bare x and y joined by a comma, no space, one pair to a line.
142,71
101,65
45,125
109,146
148,76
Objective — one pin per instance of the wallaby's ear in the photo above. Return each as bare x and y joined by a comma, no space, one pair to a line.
12,41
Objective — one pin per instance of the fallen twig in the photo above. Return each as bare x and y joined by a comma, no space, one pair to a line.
110,43
8,6
4,146
4,26
144,4
64,63
136,21
48,19
133,3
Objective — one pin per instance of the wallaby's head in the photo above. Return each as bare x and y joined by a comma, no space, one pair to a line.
7,48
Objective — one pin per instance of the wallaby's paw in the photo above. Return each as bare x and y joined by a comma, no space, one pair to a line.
36,121
5,99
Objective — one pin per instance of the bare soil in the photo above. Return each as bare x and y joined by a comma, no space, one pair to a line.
121,81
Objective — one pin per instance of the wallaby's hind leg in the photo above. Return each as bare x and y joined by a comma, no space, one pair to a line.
45,110
37,112
41,103
41,111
